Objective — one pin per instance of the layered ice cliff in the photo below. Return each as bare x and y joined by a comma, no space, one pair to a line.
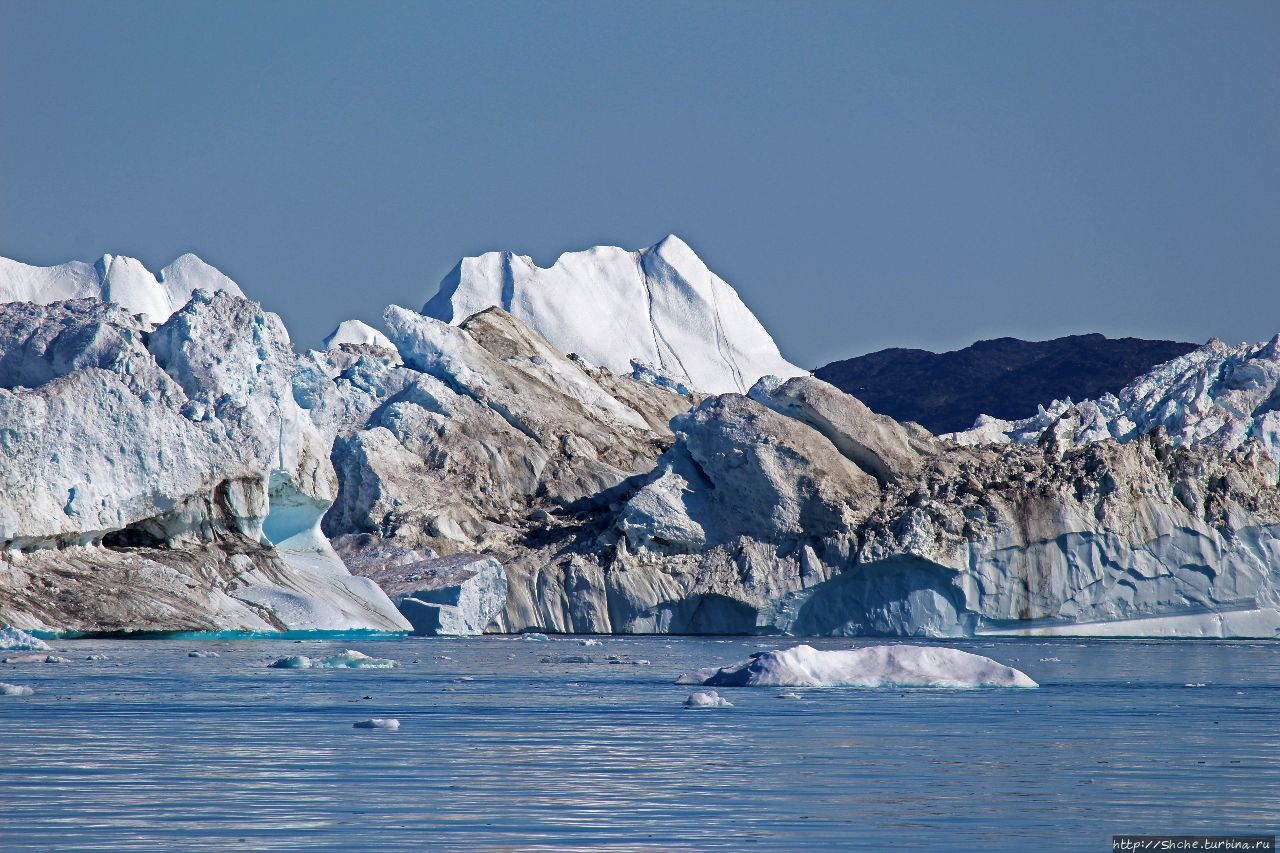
661,306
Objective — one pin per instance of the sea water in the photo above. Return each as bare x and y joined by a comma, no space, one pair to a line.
508,743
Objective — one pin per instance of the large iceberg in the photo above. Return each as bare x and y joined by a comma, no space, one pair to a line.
200,465
660,306
873,666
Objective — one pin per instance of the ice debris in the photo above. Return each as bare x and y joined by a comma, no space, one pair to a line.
14,690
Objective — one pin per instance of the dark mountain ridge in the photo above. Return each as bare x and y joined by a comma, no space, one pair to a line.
1004,377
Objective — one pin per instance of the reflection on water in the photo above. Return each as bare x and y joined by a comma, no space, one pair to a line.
152,749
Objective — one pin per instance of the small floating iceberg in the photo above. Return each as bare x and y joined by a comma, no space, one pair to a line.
349,659
873,666
15,640
390,724
707,699
200,654
37,658
14,690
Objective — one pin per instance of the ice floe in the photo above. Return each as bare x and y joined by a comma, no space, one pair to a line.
872,666
388,724
707,699
349,659
14,690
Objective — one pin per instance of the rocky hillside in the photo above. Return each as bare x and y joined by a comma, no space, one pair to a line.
1004,378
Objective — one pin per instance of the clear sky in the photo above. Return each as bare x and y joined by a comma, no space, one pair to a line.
867,174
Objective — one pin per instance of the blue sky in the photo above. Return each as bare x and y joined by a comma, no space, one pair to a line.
866,174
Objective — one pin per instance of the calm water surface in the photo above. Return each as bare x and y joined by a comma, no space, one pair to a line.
152,749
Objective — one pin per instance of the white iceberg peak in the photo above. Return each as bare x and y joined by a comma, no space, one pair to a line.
116,278
661,306
356,332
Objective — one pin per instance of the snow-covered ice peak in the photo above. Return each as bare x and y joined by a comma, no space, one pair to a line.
661,306
115,278
1217,395
356,332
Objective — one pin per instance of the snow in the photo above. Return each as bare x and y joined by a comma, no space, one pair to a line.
1217,395
661,306
707,699
349,659
873,666
387,724
125,281
356,332
14,690
13,639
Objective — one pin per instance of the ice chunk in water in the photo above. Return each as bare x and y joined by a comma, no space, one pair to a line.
707,699
349,659
390,724
14,690
37,659
872,666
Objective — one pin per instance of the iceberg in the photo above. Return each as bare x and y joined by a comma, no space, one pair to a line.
15,640
14,690
387,724
349,659
37,658
707,699
894,666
